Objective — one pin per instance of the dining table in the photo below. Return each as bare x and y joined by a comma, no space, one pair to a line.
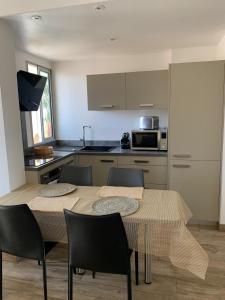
158,228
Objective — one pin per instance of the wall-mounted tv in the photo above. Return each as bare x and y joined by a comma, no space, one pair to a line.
30,88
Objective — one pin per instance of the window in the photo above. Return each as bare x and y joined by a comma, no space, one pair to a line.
41,120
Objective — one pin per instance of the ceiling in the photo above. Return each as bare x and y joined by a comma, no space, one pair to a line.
138,27
12,7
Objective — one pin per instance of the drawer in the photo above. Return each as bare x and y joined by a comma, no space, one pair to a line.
96,159
155,186
142,160
152,174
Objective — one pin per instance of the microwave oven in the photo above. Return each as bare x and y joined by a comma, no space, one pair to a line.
149,140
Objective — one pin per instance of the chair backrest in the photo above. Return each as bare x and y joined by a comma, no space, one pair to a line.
20,234
77,175
97,243
125,177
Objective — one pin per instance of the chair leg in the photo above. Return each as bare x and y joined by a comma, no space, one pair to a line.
136,268
93,274
129,288
70,283
0,275
45,280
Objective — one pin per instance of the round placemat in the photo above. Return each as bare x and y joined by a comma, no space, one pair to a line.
109,205
57,190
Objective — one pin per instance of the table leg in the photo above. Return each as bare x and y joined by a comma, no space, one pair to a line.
148,269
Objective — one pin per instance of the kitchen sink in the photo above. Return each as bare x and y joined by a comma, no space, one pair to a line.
97,148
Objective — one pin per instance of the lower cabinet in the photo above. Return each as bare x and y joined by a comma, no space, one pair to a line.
199,184
155,177
100,167
155,168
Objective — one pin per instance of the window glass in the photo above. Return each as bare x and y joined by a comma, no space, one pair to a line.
42,128
46,107
36,126
32,69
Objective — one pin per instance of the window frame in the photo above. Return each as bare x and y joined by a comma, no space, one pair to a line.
52,138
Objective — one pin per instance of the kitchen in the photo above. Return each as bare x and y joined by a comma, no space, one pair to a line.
97,99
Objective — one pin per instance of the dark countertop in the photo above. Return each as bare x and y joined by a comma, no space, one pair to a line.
38,163
115,151
62,152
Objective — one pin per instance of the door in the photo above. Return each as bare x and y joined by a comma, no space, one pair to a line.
196,110
147,89
106,91
198,183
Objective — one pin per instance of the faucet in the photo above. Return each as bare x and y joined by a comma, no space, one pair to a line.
84,141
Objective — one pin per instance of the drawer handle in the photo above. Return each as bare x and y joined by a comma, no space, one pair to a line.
182,166
107,160
147,105
182,155
107,106
145,171
141,161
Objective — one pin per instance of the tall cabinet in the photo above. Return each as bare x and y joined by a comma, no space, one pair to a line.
195,135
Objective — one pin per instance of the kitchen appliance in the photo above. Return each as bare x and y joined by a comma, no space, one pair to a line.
30,89
125,141
51,176
149,140
149,123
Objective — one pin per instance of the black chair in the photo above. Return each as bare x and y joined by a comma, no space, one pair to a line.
77,175
129,178
20,235
125,177
97,243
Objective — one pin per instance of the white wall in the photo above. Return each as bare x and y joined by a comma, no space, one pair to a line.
4,174
22,58
70,93
11,150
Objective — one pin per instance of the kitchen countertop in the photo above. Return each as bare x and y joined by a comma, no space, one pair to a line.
37,163
62,152
115,151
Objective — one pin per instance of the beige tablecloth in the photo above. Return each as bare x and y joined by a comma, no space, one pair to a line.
157,228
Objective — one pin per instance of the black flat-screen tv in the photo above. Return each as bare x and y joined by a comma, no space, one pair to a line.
30,88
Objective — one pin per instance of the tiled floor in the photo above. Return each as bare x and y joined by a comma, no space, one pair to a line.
24,279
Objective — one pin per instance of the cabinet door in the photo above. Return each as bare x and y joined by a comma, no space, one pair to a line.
101,170
147,89
100,166
196,110
152,174
198,183
106,91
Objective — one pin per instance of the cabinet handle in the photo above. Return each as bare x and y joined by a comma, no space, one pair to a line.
107,160
141,161
107,106
182,166
147,105
182,155
145,171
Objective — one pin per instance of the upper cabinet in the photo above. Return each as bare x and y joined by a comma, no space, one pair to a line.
106,91
147,89
196,110
137,90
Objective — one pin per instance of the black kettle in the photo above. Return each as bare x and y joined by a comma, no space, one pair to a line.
125,141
